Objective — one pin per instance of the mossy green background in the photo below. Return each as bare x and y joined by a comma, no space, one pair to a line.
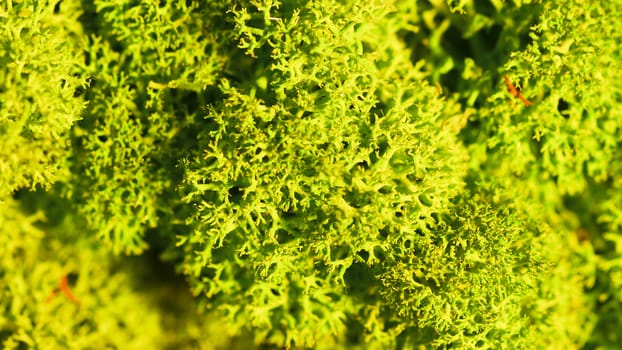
310,174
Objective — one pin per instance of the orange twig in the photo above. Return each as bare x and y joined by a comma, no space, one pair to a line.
64,288
525,101
515,92
510,87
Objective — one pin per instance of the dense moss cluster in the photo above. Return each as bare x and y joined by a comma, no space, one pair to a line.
310,174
